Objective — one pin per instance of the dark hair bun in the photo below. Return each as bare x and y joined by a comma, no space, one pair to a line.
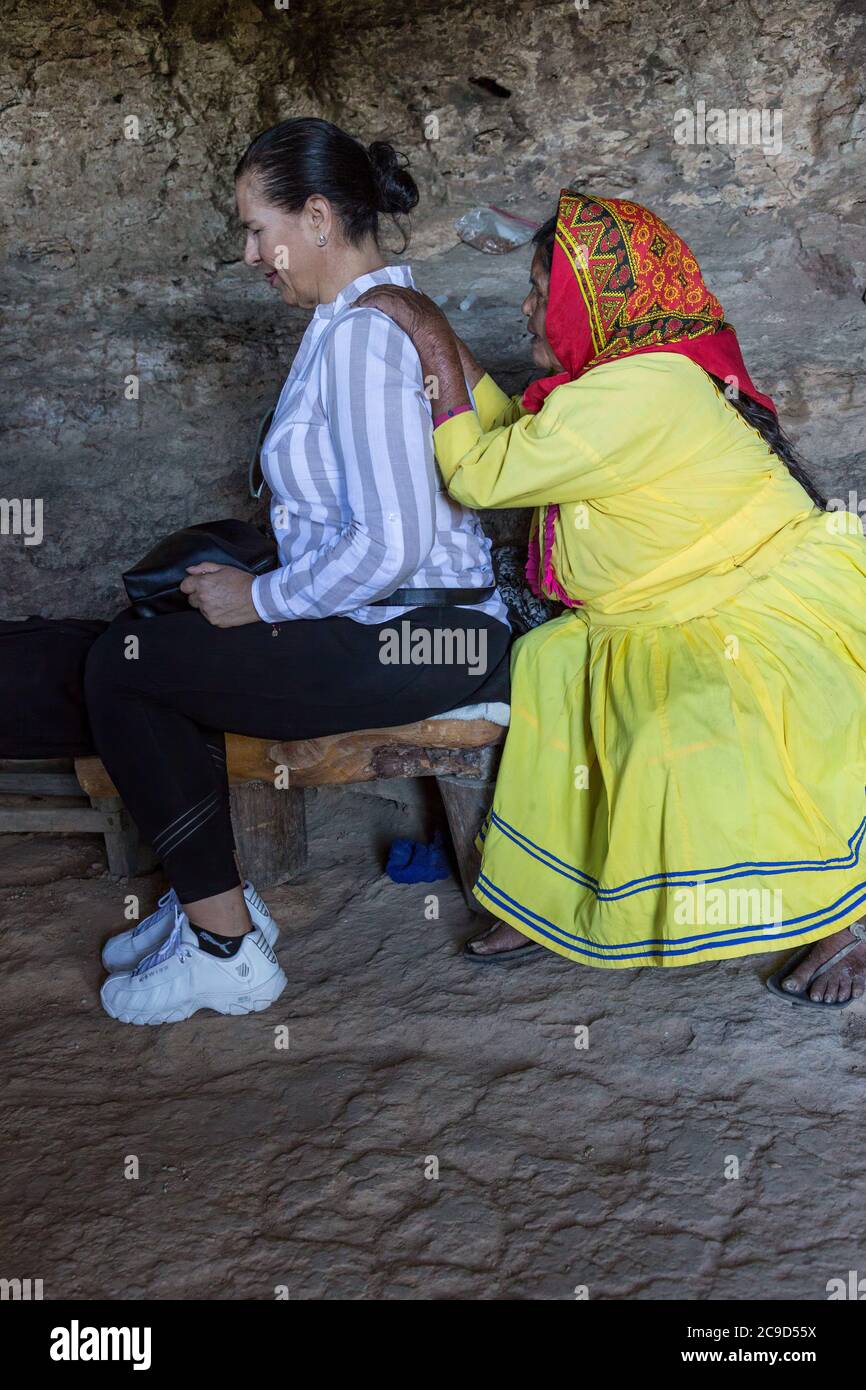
395,187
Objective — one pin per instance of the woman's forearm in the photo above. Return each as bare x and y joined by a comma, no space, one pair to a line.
440,361
472,368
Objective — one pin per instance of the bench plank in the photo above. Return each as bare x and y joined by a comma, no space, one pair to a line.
407,750
268,812
39,784
59,820
332,759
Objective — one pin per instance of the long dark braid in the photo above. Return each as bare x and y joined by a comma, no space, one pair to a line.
768,427
758,416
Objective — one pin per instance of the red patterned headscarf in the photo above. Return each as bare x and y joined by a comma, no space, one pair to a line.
622,282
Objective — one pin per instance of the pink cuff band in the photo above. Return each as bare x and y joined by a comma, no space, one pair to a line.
448,415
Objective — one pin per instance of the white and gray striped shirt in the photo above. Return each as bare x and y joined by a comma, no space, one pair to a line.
359,507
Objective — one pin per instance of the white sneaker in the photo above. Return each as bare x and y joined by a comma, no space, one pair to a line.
180,978
128,948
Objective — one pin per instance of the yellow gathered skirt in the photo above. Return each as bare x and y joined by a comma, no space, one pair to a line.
688,792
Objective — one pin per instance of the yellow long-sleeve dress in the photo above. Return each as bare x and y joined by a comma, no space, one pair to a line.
684,775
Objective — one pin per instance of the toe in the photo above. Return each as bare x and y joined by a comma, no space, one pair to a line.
480,945
857,967
797,980
831,987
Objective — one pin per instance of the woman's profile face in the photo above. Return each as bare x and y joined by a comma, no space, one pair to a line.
283,245
534,307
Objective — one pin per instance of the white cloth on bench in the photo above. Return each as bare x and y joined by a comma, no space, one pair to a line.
494,711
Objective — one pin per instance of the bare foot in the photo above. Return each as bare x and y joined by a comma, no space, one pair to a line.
501,937
844,980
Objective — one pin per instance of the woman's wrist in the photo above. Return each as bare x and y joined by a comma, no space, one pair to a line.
448,415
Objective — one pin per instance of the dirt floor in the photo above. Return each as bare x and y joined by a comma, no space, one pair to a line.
308,1171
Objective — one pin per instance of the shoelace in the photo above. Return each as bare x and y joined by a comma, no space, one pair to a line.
167,899
172,946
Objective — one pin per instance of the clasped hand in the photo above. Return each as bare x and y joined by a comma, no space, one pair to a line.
221,593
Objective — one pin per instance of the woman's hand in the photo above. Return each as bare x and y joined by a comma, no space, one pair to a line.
423,320
221,593
433,337
412,311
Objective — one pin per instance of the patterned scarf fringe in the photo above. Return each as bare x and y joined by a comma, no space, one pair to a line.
540,573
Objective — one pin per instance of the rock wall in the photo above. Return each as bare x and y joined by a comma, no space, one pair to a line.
123,254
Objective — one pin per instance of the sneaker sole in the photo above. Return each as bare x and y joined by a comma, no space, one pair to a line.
268,993
270,931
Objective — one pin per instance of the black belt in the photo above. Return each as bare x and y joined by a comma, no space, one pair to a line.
432,598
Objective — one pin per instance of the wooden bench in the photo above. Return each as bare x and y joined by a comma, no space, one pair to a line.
267,780
46,797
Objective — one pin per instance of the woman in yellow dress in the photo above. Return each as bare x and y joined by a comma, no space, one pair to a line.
683,778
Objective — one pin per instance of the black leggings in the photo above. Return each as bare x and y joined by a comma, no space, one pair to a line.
159,705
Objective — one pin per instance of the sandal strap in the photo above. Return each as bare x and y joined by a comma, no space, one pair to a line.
858,929
483,935
839,955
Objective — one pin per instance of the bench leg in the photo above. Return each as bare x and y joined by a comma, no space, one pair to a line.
467,801
270,830
126,854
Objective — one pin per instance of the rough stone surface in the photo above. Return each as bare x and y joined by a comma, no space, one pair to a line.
305,1167
123,256
557,1167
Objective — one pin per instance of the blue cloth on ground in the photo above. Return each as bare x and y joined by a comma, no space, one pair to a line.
411,862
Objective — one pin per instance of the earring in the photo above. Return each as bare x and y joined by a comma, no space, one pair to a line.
323,240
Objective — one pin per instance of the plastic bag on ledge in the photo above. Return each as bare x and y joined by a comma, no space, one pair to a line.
494,231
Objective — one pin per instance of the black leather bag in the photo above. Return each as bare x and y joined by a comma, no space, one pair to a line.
42,712
153,585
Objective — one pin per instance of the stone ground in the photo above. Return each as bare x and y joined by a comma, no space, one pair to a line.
304,1167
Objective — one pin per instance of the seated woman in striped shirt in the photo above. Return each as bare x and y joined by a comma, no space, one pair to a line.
370,543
